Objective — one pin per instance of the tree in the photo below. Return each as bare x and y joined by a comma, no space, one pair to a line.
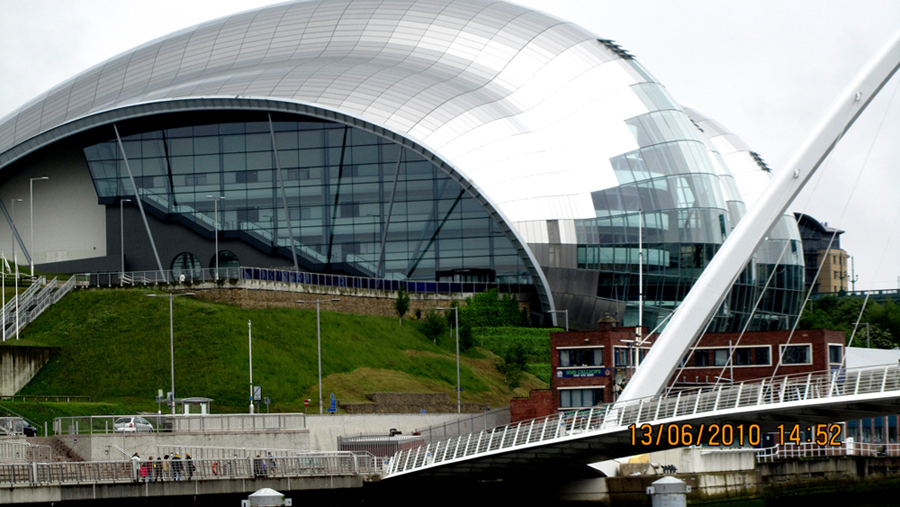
402,303
434,325
512,364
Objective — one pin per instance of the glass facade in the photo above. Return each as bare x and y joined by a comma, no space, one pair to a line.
681,198
353,202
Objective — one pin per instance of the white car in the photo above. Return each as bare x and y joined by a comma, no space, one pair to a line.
132,424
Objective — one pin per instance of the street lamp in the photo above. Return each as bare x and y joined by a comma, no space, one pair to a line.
250,349
122,234
171,338
562,311
216,218
319,342
31,219
458,386
15,261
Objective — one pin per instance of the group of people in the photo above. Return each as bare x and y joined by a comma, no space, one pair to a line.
264,467
163,468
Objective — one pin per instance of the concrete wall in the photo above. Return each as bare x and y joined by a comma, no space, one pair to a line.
68,222
324,430
19,364
698,460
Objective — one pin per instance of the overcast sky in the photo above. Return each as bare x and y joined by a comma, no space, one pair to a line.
767,70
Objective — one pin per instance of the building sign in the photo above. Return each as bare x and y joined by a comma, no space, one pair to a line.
583,372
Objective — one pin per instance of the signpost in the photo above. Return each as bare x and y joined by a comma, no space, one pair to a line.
333,407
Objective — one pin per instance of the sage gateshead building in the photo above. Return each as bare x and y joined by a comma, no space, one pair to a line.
407,140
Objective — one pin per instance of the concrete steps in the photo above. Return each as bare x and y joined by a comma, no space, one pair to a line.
61,452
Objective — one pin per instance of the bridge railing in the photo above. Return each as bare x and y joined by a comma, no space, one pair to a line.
812,450
695,402
301,465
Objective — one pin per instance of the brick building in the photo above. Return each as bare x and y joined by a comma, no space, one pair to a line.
590,368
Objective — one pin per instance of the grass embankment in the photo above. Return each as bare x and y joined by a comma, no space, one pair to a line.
535,341
114,346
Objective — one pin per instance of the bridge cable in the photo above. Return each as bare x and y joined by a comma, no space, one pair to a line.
834,234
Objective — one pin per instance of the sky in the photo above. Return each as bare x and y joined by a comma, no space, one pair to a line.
767,70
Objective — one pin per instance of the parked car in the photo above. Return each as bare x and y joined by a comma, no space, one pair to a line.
29,430
132,424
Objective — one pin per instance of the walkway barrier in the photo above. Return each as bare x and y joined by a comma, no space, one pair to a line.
687,403
25,452
99,472
233,275
208,452
812,450
181,423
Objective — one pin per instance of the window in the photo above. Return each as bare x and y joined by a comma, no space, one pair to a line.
720,357
186,264
701,357
796,354
581,357
742,356
621,359
762,356
580,398
835,354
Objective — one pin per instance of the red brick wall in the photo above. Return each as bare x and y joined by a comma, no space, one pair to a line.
538,405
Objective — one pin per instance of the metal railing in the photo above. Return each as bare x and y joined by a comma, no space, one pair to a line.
302,465
269,278
206,423
696,402
25,452
32,302
465,425
208,452
812,450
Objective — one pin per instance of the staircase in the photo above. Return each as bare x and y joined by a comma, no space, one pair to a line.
60,451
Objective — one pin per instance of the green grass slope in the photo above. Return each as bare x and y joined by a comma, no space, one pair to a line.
114,346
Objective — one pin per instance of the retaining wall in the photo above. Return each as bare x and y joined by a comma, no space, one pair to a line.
18,365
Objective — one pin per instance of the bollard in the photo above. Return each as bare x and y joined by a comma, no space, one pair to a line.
266,497
669,492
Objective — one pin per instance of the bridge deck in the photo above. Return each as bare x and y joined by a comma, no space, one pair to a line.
576,438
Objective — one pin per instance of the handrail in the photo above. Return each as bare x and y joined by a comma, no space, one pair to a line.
123,471
787,388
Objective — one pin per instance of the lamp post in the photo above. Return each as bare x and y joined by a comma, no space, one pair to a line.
319,342
250,348
171,338
15,261
122,234
31,219
562,311
458,386
216,218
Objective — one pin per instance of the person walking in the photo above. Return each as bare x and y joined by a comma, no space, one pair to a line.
272,464
158,469
176,467
167,468
189,465
135,467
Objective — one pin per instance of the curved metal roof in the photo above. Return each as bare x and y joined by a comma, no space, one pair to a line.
499,91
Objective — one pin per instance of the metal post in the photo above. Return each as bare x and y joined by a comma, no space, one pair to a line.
3,296
250,348
319,344
31,219
319,351
171,339
216,218
121,234
16,263
458,385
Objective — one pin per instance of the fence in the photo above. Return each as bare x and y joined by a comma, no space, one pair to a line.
208,452
785,388
302,465
269,276
25,452
182,423
812,450
465,425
